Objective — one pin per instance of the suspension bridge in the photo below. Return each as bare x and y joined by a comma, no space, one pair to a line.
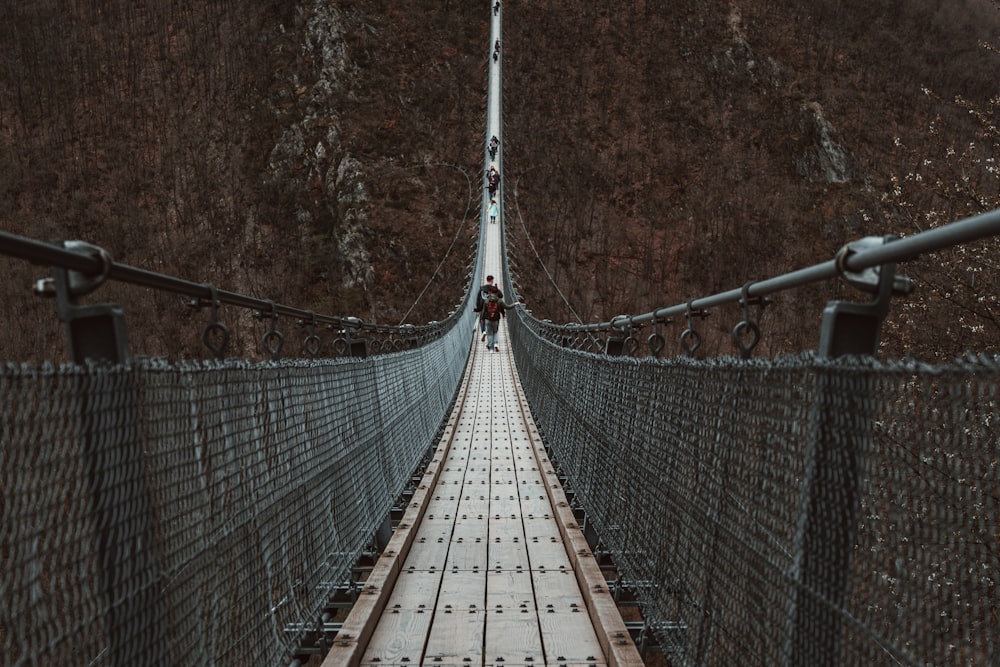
404,495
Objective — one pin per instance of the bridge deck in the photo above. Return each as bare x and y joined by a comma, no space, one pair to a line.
487,566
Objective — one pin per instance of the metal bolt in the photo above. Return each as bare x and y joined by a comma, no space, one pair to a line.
45,287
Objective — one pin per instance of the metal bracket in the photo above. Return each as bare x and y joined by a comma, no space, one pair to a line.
855,328
615,346
94,332
346,345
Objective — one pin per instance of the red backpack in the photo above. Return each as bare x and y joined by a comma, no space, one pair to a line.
492,309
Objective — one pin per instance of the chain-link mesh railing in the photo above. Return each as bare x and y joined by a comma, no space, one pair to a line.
192,513
795,511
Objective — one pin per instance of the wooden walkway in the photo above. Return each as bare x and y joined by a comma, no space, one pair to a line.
488,565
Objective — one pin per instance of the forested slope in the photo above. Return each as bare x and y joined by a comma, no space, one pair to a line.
664,151
328,154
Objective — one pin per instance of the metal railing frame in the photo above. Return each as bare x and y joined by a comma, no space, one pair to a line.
98,332
825,533
857,262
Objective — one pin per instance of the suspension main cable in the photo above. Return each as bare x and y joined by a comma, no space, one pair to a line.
454,241
534,250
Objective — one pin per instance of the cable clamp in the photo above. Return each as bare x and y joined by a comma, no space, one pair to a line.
867,280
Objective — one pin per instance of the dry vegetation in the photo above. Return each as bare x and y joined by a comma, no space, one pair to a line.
664,151
322,154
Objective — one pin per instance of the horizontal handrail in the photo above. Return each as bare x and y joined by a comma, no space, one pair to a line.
848,260
93,265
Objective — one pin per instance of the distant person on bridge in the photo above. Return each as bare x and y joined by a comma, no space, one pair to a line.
494,144
496,50
484,291
494,309
494,210
496,8
493,177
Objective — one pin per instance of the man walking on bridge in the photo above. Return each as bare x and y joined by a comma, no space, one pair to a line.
494,309
484,291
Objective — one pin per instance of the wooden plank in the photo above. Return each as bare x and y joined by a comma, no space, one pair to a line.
471,526
509,590
558,588
476,478
504,482
505,503
444,501
457,460
471,518
506,524
475,501
429,553
533,485
458,630
414,590
536,505
399,637
507,551
568,635
463,590
467,551
541,526
446,515
513,637
456,638
547,554
616,645
454,477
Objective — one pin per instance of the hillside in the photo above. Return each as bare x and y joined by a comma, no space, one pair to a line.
327,154
668,151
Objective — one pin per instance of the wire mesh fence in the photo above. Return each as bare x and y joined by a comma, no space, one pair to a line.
200,512
793,511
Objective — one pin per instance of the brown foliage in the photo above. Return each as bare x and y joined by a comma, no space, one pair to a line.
147,129
667,151
655,151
